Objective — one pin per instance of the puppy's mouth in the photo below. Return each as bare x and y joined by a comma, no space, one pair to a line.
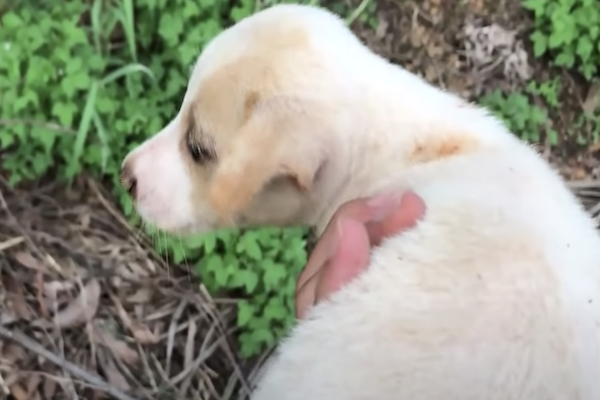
129,184
178,230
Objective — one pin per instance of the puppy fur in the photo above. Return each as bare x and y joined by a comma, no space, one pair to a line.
494,295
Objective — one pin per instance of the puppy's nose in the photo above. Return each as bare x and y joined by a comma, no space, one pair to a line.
128,179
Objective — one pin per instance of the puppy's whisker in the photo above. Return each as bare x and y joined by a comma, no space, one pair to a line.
166,250
185,259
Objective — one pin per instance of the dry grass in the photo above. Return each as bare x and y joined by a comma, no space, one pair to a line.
88,311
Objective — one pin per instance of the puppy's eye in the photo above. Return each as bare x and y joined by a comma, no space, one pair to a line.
199,153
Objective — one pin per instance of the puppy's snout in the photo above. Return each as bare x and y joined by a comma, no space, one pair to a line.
128,179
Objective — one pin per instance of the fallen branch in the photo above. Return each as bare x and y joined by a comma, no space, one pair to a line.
93,379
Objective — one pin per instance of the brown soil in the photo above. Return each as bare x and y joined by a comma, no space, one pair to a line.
428,38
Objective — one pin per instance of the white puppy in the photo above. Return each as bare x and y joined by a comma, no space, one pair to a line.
494,295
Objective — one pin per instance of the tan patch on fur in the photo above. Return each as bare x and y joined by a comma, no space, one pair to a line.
244,173
232,192
251,100
250,152
440,148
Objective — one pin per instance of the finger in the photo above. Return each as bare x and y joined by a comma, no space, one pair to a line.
327,244
324,249
363,210
305,296
351,259
404,216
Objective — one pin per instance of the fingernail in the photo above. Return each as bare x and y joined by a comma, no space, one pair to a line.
340,233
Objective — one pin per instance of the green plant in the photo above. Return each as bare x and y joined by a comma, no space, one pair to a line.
586,129
548,91
260,267
569,30
528,121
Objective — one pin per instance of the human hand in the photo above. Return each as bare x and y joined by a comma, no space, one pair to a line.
344,249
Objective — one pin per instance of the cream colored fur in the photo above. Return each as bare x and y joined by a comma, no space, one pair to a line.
494,295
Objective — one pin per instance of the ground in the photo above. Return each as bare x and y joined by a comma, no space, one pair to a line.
53,237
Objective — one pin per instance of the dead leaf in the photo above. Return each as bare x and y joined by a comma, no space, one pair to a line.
144,335
52,288
132,271
39,283
33,382
119,348
11,353
29,261
578,174
7,244
18,392
594,147
49,388
17,299
112,374
85,220
150,265
7,318
82,309
189,346
382,27
143,295
140,332
99,395
590,105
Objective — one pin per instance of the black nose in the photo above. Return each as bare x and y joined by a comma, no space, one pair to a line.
128,180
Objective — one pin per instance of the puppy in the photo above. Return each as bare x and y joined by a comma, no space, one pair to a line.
494,295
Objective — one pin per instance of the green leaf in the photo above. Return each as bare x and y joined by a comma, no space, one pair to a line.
6,138
45,136
170,28
210,243
552,136
178,253
556,39
248,345
584,48
198,242
128,70
245,313
250,279
214,263
83,130
10,20
588,71
540,43
64,111
263,336
565,60
275,273
276,310
248,244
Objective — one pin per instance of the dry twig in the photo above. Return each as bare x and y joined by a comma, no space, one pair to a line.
86,376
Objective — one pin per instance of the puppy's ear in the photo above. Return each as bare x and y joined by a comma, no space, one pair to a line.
269,146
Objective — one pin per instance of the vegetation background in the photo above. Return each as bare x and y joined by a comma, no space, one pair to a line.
128,311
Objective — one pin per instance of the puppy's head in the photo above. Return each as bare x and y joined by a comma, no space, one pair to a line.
254,130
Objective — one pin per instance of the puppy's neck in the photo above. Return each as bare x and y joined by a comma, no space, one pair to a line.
397,122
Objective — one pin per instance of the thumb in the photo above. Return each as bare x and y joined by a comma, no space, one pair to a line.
351,258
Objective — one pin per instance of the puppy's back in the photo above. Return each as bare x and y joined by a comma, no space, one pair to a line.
495,295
